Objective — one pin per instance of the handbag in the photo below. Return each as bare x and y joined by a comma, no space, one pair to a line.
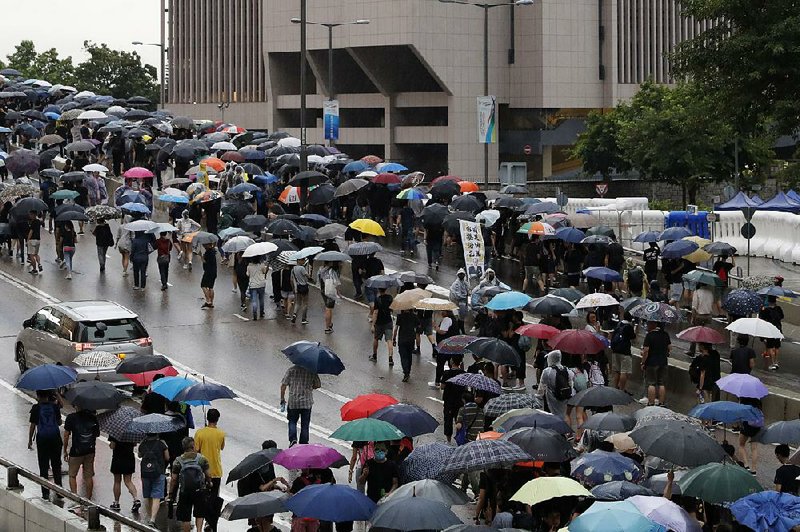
162,259
461,434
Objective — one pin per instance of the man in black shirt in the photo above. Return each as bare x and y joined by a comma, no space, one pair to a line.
380,474
81,429
404,336
786,475
743,358
533,252
655,354
650,256
452,394
209,275
34,238
372,266
382,325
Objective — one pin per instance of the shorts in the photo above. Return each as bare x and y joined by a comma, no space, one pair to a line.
208,281
33,247
86,462
532,271
675,291
287,295
383,332
655,375
187,501
773,343
329,301
370,294
425,328
621,363
153,488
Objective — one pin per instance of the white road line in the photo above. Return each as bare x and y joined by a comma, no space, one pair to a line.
170,284
411,260
241,317
436,399
13,389
334,395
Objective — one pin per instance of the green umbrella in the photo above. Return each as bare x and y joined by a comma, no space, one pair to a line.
368,429
64,194
719,483
703,277
524,228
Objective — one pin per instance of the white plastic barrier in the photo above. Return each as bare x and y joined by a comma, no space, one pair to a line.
728,228
785,252
639,221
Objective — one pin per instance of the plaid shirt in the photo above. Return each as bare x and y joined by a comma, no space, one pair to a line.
301,384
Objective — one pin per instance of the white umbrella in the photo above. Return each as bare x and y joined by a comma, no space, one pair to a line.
224,146
315,159
488,217
289,142
116,110
84,94
176,192
140,225
162,228
259,248
237,244
755,327
597,300
367,174
94,167
307,252
92,115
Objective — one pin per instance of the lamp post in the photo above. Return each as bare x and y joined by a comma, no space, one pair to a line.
486,7
162,95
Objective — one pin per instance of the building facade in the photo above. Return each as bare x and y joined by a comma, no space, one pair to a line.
407,83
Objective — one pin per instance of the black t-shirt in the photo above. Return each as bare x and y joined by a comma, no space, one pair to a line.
382,303
373,266
47,418
621,339
774,315
740,359
532,252
636,280
452,393
407,327
616,255
650,256
573,261
210,262
786,475
35,227
658,342
710,364
84,430
380,478
153,403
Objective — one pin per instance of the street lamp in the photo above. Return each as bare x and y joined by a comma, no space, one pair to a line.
163,66
486,7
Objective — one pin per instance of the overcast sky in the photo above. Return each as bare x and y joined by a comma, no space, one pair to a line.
64,25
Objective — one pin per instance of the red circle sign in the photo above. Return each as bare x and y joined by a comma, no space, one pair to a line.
527,150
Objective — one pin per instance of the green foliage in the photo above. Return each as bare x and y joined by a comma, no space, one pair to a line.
663,205
598,146
46,65
120,74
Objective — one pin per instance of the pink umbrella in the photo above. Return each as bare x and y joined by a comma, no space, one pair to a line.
308,455
577,342
137,172
704,335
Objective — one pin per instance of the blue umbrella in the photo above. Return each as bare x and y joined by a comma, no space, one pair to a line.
331,502
598,467
768,510
602,273
777,291
619,516
135,207
169,387
570,234
647,236
172,199
508,300
356,167
52,116
410,419
47,377
314,357
131,196
619,490
241,188
205,391
316,218
264,179
674,233
678,249
393,168
728,412
742,302
477,381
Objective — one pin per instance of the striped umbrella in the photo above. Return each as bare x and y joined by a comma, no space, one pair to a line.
485,454
117,424
283,261
426,462
509,401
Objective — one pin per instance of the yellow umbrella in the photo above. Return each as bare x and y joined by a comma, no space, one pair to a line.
546,488
370,227
698,255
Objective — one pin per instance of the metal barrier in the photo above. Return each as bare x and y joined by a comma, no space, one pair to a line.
93,510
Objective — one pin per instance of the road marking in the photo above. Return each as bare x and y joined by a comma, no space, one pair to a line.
241,317
411,260
334,395
436,399
170,284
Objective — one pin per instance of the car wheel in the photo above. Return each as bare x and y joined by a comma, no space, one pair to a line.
22,360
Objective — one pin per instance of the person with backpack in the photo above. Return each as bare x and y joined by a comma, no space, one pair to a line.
154,455
621,356
656,348
300,286
470,418
45,423
381,318
190,478
81,430
556,385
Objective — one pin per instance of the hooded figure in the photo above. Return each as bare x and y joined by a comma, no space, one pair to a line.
459,294
547,384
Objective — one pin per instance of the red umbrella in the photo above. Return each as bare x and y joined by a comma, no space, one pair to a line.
577,342
452,178
704,335
146,378
386,179
468,186
234,156
365,405
538,330
372,160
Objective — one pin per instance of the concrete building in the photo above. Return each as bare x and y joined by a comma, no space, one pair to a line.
407,82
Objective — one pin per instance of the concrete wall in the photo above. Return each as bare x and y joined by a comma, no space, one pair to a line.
25,511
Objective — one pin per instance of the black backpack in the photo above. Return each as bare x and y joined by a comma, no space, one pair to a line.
192,477
563,389
619,340
695,368
153,460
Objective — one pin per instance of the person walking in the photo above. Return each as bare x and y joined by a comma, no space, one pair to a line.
301,384
702,306
186,226
445,328
256,285
621,356
209,275
434,235
650,256
45,423
404,337
154,455
241,278
189,479
300,284
655,354
81,431
68,239
103,239
163,256
710,373
210,441
743,358
141,247
328,277
380,475
556,386
459,294
452,394
382,325
34,240
123,466
123,245
773,314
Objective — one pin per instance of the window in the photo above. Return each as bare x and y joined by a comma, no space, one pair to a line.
121,330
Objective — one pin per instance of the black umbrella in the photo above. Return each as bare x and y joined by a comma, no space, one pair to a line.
514,189
139,100
283,245
283,228
610,422
255,505
252,169
136,114
46,159
52,173
678,442
69,207
322,194
549,306
242,139
72,177
252,463
445,189
433,215
308,178
416,278
79,146
72,216
331,231
184,122
467,203
253,223
22,162
599,397
94,395
28,130
25,205
451,222
542,444
142,363
496,350
507,203
545,207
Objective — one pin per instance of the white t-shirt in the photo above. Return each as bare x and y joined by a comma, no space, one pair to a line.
445,324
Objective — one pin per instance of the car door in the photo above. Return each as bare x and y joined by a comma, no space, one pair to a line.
37,337
61,348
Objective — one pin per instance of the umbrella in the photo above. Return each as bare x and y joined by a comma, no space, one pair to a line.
135,207
386,178
205,391
720,248
705,335
498,406
314,357
618,490
537,330
677,249
430,489
363,248
241,188
330,231
382,281
598,467
541,443
355,167
169,387
507,203
413,513
255,505
308,178
577,342
549,306
254,223
79,146
674,233
434,303
46,377
786,432
365,405
616,516
508,300
331,502
488,218
308,455
477,381
467,203
65,207
433,215
609,422
391,167
259,248
743,385
94,395
157,424
544,207
728,412
658,312
137,172
768,510
777,291
570,234
495,350
104,212
622,442
544,489
367,226
406,300
599,396
416,278
368,429
485,454
282,227
602,273
597,300
601,230
523,418
678,442
237,244
412,420
140,225
145,378
142,363
25,205
281,245
64,194
72,177
22,162
349,187
332,256
230,232
426,462
719,483
322,194
117,424
647,236
755,327
72,216
664,512
703,277
252,463
306,252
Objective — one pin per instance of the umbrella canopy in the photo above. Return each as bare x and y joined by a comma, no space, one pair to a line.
485,454
720,248
139,225
430,489
413,513
72,216
658,312
333,256
255,505
142,363
622,442
664,512
619,490
412,420
330,231
282,227
786,432
544,489
541,229
477,381
94,395
498,406
597,300
678,249
331,502
252,463
64,194
768,510
259,248
647,236
616,516
349,187
322,194
523,418
508,300
205,391
678,442
719,483
577,342
777,291
537,330
454,345
674,233
728,412
755,327
495,350
743,385
609,422
368,429
549,306
117,424
541,444
570,234
308,455
703,277
367,226
357,249
157,424
705,335
365,405
599,396
602,273
434,303
406,300
433,215
426,462
46,377
237,244
105,212
135,207
314,357
169,387
598,467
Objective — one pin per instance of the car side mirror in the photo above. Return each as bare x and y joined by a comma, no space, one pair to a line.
28,323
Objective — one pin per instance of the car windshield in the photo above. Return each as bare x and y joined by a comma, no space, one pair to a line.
121,330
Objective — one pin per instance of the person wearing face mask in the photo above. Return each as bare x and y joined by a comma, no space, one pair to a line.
459,294
380,475
186,226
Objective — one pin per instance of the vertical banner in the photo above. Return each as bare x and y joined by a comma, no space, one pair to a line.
330,116
472,240
487,119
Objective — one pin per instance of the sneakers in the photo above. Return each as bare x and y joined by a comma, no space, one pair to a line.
136,505
406,377
373,357
304,322
185,266
773,367
68,276
190,266
391,362
329,331
294,318
115,506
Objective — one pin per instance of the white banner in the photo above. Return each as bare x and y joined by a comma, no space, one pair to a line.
487,119
474,252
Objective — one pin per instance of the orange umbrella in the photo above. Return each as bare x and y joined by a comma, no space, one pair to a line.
213,162
490,435
365,405
468,186
541,229
290,195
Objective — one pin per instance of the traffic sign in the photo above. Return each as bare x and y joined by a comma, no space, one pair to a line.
711,217
748,230
527,149
601,189
561,199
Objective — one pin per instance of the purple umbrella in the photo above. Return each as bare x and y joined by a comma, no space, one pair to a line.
477,381
308,455
22,162
455,345
743,385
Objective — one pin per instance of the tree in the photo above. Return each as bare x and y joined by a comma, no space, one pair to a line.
598,146
120,74
46,65
749,60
